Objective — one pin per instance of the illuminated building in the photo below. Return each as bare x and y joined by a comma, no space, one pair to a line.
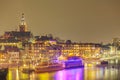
9,52
23,26
13,41
81,49
22,35
91,50
115,48
107,49
43,47
10,42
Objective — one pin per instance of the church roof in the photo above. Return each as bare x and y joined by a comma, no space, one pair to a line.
19,34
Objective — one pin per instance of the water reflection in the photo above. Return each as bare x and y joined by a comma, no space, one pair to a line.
43,76
102,73
86,73
71,74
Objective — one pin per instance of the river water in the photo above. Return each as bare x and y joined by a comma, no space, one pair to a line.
86,73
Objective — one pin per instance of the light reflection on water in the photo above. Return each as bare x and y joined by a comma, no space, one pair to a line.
70,74
86,73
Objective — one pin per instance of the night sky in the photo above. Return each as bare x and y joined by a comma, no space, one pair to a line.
77,20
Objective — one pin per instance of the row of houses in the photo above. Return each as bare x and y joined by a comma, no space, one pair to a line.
50,46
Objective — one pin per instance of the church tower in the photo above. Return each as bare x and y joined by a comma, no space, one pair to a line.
22,26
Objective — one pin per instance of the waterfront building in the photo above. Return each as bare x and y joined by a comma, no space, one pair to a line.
43,48
3,54
115,46
9,54
81,49
13,52
92,50
45,45
14,41
106,49
10,42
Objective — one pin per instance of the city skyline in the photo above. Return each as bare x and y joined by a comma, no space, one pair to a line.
81,21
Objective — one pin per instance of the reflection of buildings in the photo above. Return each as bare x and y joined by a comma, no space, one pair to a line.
94,74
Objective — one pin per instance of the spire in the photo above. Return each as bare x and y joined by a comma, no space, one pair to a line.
23,26
23,19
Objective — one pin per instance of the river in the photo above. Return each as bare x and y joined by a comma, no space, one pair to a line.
86,73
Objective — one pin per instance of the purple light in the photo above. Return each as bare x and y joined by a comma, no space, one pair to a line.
72,74
73,60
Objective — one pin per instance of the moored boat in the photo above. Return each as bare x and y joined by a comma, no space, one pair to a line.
27,70
49,67
104,62
73,62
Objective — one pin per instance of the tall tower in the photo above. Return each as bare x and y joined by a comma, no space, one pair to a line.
22,26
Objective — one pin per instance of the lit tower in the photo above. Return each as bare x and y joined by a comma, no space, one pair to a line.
23,26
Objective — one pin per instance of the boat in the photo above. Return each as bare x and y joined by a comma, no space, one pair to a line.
48,67
3,73
104,62
73,62
27,70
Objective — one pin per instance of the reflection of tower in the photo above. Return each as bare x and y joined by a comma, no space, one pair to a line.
23,26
